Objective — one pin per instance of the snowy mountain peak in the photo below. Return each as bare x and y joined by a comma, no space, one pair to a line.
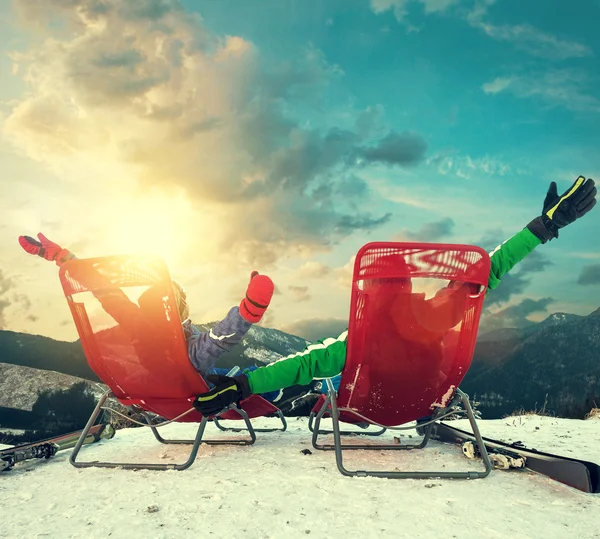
559,318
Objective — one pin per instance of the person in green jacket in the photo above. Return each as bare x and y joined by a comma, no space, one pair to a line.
326,359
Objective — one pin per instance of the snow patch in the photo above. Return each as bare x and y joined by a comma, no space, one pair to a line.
16,432
275,488
261,354
445,398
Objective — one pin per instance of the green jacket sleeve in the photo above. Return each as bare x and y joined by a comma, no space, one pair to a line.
509,254
320,360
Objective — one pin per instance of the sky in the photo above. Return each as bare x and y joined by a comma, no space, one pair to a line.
282,135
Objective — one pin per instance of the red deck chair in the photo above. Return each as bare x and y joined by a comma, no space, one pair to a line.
414,316
141,353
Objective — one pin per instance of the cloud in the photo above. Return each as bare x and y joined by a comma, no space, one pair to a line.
568,88
433,6
136,96
343,275
403,195
528,38
586,255
535,262
513,283
299,293
6,284
397,149
22,300
4,304
515,316
589,275
348,223
430,232
317,329
367,120
313,269
399,7
525,37
491,239
498,85
468,167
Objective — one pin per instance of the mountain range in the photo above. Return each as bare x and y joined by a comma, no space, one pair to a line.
552,366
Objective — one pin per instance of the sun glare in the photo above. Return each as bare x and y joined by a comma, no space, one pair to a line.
150,225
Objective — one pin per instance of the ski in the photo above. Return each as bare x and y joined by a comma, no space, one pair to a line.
579,474
45,449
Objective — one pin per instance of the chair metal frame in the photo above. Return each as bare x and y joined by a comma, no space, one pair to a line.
314,413
150,423
330,406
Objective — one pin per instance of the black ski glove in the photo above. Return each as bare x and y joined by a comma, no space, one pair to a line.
226,392
560,211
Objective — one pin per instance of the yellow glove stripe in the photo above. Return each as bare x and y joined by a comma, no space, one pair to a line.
576,185
211,397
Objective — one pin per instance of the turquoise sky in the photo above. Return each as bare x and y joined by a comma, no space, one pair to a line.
451,118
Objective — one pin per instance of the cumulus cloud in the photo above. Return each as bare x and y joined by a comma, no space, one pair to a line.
589,275
317,329
143,92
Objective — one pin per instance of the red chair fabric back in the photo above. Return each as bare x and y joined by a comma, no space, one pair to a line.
414,317
125,311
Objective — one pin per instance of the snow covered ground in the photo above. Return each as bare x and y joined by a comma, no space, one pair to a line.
273,490
11,431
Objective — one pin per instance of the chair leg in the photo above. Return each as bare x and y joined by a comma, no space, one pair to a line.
408,475
249,428
331,398
236,429
127,465
143,466
312,416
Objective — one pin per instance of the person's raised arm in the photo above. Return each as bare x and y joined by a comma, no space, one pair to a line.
558,212
113,300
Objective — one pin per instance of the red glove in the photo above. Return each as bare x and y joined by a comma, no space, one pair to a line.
45,248
258,297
